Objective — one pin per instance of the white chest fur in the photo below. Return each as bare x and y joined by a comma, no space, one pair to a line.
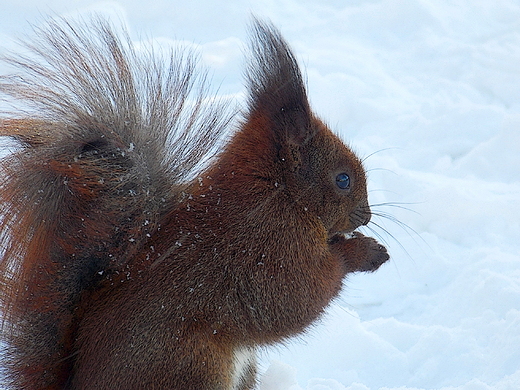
244,366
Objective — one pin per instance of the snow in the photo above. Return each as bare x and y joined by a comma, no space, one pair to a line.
428,92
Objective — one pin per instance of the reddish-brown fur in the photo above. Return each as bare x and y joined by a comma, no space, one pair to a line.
125,265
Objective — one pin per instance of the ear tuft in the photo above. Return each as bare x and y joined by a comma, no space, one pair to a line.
276,86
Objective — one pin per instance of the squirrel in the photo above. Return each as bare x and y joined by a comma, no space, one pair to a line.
145,247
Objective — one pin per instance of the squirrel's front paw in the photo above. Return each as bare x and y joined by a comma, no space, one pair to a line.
359,253
375,253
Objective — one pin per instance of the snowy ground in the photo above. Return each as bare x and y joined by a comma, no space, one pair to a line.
430,92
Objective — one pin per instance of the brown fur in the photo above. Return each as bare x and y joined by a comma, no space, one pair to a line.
125,265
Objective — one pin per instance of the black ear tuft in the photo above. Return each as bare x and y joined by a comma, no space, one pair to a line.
275,83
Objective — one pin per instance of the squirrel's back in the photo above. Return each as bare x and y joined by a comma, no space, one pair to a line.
109,140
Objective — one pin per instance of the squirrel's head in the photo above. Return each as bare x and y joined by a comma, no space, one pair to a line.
282,144
333,180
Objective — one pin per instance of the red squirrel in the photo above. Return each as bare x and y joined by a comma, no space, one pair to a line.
139,251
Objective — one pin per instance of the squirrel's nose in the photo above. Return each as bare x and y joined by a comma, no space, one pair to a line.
367,215
361,215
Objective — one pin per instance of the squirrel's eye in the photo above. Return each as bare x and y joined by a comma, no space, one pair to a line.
343,181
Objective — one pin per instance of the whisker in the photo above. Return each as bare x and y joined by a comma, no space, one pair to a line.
380,169
398,222
397,206
412,233
394,203
377,234
389,234
387,191
378,151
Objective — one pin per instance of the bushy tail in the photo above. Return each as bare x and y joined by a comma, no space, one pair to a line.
108,137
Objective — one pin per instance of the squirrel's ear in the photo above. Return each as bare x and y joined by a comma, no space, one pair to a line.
276,88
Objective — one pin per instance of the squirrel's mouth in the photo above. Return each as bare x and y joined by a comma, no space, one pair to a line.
349,227
348,234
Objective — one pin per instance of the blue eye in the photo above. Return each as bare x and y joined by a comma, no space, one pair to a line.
343,181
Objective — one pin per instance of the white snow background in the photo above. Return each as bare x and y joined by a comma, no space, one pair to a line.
429,92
